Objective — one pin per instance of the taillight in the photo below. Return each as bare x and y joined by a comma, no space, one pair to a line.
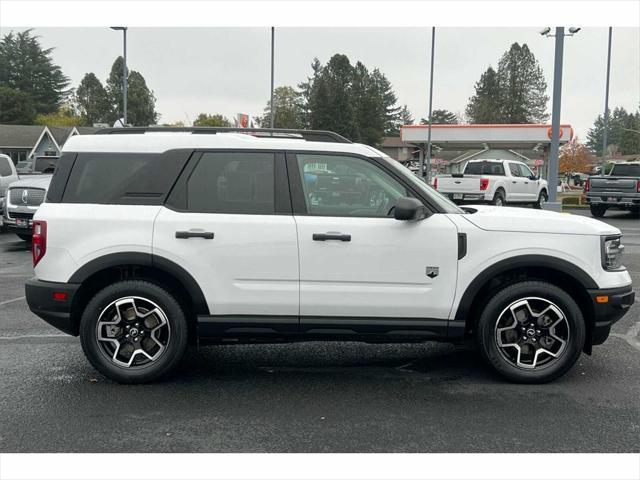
39,240
587,185
638,186
435,183
484,183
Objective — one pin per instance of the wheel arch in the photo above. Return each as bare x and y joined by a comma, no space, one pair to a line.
556,271
107,269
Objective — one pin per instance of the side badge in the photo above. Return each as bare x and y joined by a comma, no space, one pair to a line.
433,272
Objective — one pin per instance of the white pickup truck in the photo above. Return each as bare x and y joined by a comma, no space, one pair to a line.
494,181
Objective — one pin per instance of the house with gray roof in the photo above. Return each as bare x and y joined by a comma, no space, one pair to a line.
28,142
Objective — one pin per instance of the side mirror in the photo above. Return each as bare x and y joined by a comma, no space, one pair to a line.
408,208
534,177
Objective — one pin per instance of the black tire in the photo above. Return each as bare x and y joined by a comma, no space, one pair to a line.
24,237
556,367
173,350
542,199
598,211
498,199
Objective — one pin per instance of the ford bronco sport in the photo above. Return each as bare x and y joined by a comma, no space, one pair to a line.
152,239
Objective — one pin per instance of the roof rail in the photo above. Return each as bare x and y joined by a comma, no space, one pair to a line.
308,135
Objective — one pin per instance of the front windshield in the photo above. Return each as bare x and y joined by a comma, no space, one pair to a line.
443,202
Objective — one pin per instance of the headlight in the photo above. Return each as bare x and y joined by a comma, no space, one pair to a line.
612,250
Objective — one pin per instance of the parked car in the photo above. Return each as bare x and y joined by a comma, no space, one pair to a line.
8,175
23,199
619,190
149,242
24,166
498,182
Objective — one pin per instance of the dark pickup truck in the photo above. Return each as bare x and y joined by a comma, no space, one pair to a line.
620,190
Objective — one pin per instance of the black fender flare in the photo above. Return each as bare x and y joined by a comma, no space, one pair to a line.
520,261
141,259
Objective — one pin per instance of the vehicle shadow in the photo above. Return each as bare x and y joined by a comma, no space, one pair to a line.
433,362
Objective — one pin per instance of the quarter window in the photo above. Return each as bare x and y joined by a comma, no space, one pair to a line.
233,182
347,186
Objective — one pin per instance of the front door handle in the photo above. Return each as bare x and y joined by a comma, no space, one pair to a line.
321,237
190,234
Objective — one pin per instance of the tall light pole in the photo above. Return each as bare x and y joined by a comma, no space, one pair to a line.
429,146
124,73
273,113
606,105
553,204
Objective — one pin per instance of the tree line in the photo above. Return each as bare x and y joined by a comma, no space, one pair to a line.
351,99
34,90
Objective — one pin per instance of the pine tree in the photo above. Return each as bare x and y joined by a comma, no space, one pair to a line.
484,106
140,100
621,133
92,100
288,107
215,120
16,107
26,67
441,117
522,85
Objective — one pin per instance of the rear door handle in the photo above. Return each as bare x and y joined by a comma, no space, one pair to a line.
190,234
321,237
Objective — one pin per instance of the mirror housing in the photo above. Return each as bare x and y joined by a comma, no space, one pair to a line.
408,208
534,177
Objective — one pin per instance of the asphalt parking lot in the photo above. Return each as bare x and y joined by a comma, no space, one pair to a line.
312,397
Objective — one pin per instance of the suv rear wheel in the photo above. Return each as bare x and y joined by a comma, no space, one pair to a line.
133,331
531,332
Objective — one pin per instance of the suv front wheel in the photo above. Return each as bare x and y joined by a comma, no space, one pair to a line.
133,331
531,332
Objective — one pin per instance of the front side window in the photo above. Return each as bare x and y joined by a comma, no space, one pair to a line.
233,182
515,171
335,185
5,167
524,170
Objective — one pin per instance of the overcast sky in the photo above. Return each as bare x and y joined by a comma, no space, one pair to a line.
226,70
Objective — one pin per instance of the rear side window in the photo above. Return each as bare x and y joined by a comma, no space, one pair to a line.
233,182
484,168
123,178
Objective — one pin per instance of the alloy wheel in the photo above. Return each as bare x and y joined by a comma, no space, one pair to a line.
132,332
532,332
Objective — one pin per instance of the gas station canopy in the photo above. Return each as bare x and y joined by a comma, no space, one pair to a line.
489,136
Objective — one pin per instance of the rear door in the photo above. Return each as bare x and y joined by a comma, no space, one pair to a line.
228,222
360,269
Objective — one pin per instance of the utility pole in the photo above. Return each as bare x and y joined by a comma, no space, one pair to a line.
555,121
429,146
606,106
124,74
273,113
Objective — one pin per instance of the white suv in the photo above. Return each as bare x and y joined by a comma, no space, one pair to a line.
152,239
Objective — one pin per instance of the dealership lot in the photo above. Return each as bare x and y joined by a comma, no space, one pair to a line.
338,397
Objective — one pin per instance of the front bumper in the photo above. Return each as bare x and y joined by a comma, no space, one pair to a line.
606,313
12,225
40,298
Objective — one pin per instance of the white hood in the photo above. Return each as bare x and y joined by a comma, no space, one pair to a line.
33,181
509,219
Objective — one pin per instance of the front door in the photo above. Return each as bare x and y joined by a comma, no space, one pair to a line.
228,223
530,186
360,269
